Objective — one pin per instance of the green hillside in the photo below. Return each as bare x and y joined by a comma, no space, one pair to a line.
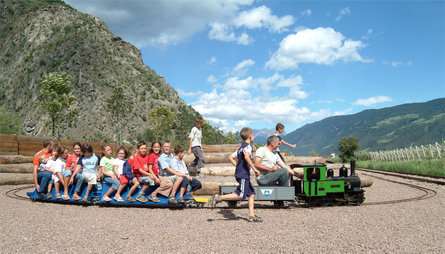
376,129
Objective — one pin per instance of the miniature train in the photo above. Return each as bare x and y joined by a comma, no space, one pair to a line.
318,187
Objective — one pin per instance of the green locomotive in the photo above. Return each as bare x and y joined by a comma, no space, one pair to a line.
319,186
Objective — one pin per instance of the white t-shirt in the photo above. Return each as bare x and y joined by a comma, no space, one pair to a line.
268,158
50,163
196,136
59,165
120,165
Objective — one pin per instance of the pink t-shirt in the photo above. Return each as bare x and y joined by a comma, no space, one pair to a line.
72,161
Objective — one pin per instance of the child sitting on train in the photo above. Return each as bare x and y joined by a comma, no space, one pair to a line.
141,170
128,175
47,164
178,165
118,165
70,166
43,161
58,167
165,184
164,166
89,163
107,169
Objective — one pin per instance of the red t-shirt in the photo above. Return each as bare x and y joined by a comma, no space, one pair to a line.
36,160
140,162
153,160
72,161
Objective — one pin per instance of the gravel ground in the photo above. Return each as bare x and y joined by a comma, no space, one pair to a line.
411,227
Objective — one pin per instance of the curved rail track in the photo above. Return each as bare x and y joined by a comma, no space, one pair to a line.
13,193
428,193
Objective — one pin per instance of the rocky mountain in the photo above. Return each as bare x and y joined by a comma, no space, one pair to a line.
261,135
377,129
42,36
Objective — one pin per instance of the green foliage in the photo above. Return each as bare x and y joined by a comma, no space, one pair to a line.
313,153
211,135
347,146
232,138
161,120
9,124
119,105
56,101
435,167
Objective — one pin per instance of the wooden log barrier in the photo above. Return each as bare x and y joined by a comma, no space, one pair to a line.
16,168
209,188
15,159
16,179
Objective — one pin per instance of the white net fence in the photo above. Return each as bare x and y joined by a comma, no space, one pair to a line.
424,152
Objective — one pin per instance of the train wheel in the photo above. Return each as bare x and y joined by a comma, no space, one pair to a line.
278,204
232,204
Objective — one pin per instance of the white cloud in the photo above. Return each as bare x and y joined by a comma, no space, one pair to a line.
242,67
262,17
239,105
236,83
294,85
241,123
211,79
372,101
319,46
188,94
342,112
396,64
223,32
238,102
266,84
306,12
212,60
160,23
368,34
343,12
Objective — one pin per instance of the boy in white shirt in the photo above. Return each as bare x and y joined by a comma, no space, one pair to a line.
195,146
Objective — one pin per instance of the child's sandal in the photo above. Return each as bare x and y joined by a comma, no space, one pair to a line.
85,199
255,219
154,199
77,197
172,200
181,200
106,199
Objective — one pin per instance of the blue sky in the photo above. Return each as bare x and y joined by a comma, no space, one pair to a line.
256,63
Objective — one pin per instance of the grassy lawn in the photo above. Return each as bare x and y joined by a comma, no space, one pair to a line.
435,167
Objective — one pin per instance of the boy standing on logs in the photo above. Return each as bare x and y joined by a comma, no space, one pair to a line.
196,147
242,175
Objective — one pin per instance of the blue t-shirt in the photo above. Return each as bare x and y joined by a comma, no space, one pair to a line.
164,162
89,164
242,168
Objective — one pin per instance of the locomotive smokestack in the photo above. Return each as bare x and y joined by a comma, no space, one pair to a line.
352,168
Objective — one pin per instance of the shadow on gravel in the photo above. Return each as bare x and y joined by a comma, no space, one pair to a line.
228,215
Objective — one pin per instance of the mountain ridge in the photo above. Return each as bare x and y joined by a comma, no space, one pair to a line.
377,129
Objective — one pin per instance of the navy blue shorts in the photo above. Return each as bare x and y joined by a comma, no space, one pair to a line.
244,189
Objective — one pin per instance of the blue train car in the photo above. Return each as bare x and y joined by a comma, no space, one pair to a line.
96,194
